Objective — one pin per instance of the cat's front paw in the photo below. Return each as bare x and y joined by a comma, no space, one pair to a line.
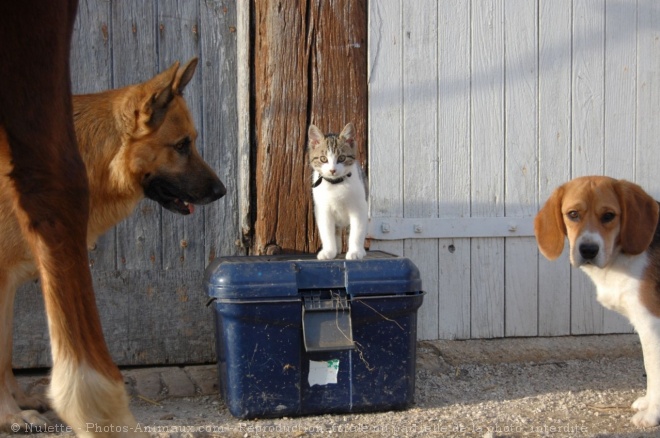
326,254
356,254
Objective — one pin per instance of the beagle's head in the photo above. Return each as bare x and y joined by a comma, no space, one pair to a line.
601,217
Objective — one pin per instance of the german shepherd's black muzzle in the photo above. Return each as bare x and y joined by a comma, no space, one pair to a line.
179,193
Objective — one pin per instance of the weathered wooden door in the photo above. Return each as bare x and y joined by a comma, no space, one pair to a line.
308,65
148,270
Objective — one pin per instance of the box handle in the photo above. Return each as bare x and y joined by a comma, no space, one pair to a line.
326,318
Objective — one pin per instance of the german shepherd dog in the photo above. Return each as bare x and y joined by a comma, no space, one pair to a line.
56,198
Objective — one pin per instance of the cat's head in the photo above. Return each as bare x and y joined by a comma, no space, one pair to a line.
332,155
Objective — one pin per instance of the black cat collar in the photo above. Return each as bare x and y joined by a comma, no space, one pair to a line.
331,181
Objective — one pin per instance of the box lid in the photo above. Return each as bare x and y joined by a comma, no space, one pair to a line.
286,276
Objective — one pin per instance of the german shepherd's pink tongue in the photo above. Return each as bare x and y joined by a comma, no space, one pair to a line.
189,205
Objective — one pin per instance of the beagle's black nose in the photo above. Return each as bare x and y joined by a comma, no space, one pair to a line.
589,251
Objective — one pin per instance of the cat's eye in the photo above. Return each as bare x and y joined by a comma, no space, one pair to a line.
324,159
341,158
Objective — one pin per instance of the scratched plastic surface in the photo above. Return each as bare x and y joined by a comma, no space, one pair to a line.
264,369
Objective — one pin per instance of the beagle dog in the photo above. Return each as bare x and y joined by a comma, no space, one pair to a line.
612,230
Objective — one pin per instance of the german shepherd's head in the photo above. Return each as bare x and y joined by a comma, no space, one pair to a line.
161,148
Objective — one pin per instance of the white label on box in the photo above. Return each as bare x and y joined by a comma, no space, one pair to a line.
323,373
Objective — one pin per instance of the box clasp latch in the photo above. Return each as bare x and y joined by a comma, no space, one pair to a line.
327,320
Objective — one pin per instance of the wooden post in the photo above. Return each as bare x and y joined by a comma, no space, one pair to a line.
309,66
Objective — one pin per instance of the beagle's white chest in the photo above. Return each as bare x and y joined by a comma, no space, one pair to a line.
620,282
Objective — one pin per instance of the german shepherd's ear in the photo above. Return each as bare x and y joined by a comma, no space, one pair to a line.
184,75
154,108
168,84
549,226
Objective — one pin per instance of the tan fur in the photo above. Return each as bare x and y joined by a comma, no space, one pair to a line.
127,138
590,198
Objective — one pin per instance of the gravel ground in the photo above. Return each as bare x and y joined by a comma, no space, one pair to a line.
554,387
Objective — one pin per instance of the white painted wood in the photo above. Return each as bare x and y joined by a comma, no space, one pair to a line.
587,135
487,188
454,168
385,79
619,110
554,149
648,96
391,228
521,85
420,194
529,95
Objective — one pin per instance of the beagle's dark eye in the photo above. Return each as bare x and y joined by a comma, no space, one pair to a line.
607,217
183,147
573,215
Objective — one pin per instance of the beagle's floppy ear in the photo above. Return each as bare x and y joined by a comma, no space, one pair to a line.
639,217
549,227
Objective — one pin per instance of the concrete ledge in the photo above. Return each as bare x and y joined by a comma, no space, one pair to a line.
518,350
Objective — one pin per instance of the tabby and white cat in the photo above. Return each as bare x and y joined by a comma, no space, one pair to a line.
339,190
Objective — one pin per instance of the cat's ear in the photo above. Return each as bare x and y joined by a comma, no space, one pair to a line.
348,133
315,136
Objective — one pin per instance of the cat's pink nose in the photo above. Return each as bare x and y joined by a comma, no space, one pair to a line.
333,171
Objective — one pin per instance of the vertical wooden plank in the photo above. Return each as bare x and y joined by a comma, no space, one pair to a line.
648,96
182,237
454,167
554,149
337,40
521,299
385,79
282,188
91,51
587,134
420,187
487,193
135,59
243,48
219,128
619,110
318,76
91,72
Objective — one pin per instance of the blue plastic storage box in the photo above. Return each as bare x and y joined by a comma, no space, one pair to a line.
297,336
